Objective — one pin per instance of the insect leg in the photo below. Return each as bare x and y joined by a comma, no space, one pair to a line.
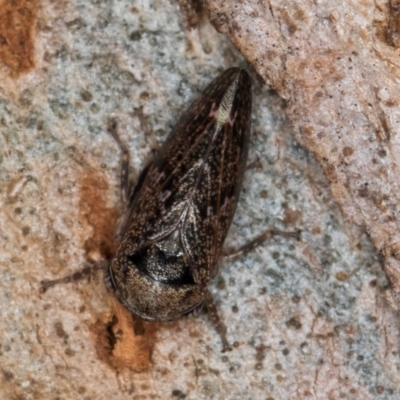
144,127
216,320
85,272
257,241
254,165
125,159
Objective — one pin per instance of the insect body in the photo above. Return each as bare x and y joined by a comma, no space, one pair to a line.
179,214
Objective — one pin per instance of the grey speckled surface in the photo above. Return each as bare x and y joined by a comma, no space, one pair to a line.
308,317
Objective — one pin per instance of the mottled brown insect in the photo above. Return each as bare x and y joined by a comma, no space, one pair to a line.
180,211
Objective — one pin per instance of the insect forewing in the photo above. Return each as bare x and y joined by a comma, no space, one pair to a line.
194,182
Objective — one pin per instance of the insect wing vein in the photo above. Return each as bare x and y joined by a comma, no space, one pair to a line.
194,182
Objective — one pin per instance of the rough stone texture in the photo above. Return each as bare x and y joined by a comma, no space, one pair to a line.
308,318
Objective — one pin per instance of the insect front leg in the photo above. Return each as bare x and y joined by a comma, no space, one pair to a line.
128,191
257,241
125,188
148,134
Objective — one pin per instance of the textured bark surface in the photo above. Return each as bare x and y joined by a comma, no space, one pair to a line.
307,318
337,66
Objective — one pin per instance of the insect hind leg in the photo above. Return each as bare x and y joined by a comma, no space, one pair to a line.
257,241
